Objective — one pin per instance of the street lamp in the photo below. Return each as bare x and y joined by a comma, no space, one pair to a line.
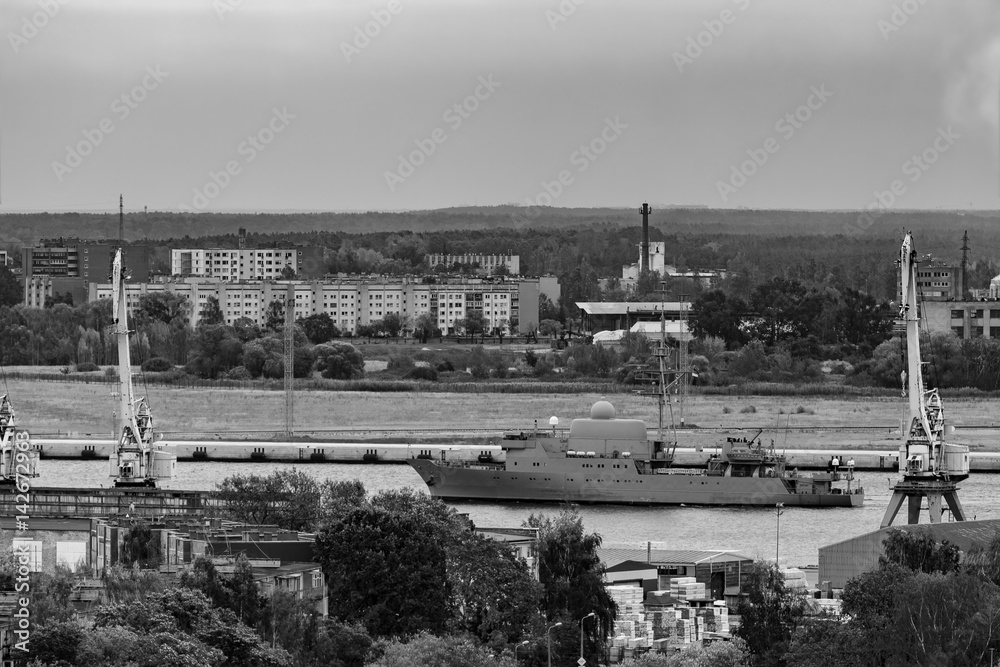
777,532
548,635
524,643
590,615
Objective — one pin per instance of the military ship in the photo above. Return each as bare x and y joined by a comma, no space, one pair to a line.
604,459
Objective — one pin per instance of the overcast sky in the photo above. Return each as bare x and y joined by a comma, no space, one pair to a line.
293,107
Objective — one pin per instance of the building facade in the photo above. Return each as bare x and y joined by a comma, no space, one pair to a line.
234,265
60,266
965,319
355,301
487,263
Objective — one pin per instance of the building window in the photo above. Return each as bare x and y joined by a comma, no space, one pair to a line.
71,554
957,314
33,548
977,332
977,313
959,331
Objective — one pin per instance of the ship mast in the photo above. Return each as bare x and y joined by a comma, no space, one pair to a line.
931,468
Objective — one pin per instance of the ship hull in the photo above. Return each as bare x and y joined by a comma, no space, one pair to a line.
621,486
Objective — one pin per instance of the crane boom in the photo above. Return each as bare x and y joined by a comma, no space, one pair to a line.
136,461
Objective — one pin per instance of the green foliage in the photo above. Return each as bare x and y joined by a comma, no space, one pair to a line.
236,592
571,572
89,367
56,643
918,551
425,327
319,328
50,594
288,498
427,650
423,373
339,361
154,365
211,313
717,654
216,350
401,363
386,570
140,546
769,614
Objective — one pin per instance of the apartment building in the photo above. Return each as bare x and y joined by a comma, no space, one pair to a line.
487,263
68,265
355,301
234,265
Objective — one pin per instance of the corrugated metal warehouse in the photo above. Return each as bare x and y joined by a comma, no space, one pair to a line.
845,560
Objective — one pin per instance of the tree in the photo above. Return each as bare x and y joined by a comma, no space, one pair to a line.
425,327
571,572
287,273
386,570
339,361
549,327
288,498
715,314
246,329
140,546
274,316
429,651
769,614
916,550
216,349
10,288
319,328
473,323
211,313
393,324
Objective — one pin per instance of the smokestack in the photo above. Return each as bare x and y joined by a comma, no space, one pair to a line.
121,220
644,255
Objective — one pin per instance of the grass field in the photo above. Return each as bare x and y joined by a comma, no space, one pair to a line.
54,407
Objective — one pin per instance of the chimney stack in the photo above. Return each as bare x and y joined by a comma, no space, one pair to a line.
644,255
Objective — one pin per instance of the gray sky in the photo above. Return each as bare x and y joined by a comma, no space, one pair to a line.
666,97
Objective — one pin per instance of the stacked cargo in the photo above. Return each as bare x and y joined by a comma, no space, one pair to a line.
632,629
687,588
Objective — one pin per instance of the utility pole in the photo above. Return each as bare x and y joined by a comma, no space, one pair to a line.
121,220
964,294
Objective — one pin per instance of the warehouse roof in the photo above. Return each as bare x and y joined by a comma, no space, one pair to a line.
612,556
623,307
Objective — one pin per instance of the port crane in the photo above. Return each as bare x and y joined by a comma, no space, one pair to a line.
136,461
18,456
930,468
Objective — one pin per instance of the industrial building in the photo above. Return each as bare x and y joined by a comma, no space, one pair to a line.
721,572
842,561
618,315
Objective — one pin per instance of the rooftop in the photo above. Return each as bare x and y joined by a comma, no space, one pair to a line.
612,556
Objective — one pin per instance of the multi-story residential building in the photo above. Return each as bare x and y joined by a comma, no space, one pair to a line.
233,265
487,263
68,265
355,301
939,282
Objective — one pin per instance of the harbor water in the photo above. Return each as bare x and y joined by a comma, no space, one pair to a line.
798,532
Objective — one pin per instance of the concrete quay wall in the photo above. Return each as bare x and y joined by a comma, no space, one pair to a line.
883,459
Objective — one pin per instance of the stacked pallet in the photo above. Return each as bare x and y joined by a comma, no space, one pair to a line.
632,629
687,588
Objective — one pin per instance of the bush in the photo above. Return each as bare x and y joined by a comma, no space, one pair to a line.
157,365
111,371
400,363
238,373
87,367
444,366
530,358
748,410
542,368
339,361
423,373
